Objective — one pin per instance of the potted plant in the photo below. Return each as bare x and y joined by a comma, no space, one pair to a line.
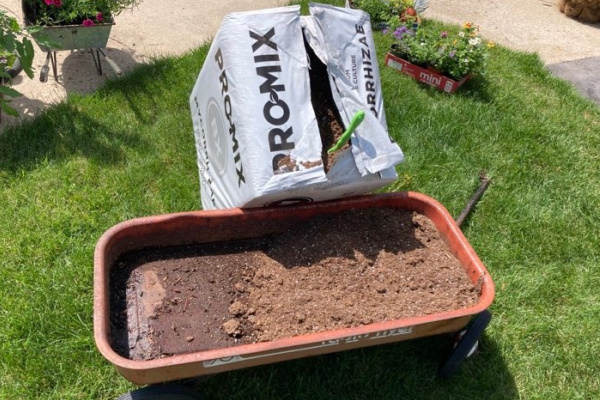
16,55
73,24
384,13
440,58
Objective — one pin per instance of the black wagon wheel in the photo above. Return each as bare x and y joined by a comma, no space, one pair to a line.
466,344
161,392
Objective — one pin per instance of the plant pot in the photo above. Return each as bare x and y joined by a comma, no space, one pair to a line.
238,225
73,37
12,70
434,70
425,74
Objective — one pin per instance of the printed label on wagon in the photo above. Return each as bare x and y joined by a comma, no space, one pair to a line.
328,343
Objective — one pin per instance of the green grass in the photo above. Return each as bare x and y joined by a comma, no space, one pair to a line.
128,151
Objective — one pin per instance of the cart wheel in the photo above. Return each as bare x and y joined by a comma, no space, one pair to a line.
161,392
466,344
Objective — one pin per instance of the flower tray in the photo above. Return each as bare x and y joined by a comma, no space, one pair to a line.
218,226
440,82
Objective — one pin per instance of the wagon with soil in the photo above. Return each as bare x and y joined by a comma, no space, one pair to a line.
190,294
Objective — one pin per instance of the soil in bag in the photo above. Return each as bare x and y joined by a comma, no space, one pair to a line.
330,124
332,272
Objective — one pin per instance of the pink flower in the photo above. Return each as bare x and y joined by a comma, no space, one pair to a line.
49,2
56,3
88,22
99,17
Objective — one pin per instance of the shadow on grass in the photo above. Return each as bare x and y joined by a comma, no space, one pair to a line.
477,89
405,370
61,133
161,87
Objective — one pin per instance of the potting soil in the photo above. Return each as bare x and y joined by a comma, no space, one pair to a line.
351,269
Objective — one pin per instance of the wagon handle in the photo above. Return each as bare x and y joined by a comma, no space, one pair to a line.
113,65
45,69
484,182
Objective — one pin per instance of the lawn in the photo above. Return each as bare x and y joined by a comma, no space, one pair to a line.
128,151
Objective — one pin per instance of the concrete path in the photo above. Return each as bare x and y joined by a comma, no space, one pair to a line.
155,27
570,49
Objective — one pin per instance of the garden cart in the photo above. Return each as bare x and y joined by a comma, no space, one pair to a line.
51,39
203,227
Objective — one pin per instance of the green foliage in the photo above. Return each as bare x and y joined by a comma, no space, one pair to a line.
378,10
454,53
15,47
405,11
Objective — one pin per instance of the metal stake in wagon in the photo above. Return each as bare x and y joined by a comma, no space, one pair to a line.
467,340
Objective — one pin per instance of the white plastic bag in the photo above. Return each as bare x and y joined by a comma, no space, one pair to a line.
251,108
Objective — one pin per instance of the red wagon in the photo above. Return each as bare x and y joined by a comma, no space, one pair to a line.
233,224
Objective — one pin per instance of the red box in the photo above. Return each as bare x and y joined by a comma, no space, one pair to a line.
436,80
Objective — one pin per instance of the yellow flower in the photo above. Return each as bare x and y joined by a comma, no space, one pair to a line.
467,25
490,45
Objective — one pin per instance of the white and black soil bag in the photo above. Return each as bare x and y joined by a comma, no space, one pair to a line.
275,92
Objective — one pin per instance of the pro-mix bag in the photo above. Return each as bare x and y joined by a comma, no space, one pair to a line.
275,93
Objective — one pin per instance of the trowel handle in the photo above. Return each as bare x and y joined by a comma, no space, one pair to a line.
354,123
